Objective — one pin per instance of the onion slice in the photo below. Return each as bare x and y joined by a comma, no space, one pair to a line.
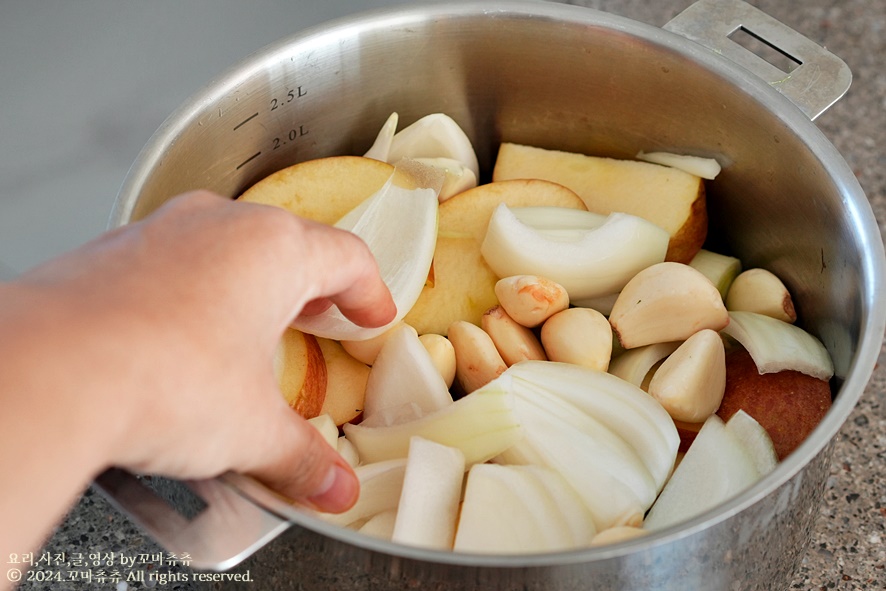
776,346
400,228
706,168
588,263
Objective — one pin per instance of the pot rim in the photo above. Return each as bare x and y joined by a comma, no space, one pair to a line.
873,318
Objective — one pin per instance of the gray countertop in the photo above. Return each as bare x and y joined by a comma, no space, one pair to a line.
85,84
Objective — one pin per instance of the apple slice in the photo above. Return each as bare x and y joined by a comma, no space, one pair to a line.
400,228
506,510
404,384
669,198
380,486
715,468
428,508
464,285
324,189
345,382
588,263
301,372
482,425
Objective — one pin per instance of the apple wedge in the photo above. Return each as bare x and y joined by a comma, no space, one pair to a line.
324,189
464,285
482,425
670,198
301,372
345,382
429,501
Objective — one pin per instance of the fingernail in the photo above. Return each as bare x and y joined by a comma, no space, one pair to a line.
338,492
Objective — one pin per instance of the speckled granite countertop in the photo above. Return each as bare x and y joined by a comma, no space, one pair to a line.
848,550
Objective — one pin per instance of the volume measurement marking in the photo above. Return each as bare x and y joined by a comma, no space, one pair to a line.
245,121
248,160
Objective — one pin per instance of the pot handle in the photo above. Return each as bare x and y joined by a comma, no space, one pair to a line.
820,78
227,530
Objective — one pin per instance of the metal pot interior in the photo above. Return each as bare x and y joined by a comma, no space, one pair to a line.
573,79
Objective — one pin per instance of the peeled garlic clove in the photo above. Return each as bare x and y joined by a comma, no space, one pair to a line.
706,168
581,336
442,354
458,177
477,361
597,263
634,365
761,291
434,136
382,145
530,300
666,302
513,341
691,381
721,269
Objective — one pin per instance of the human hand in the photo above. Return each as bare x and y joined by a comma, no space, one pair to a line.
176,319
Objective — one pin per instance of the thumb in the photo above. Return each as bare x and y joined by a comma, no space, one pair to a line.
303,467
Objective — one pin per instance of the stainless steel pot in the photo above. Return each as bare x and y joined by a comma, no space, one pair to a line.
562,77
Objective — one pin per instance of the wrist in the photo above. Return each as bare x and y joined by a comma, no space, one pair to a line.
52,383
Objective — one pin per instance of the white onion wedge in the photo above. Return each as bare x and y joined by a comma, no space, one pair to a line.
507,511
382,145
380,525
594,472
482,424
776,346
403,377
434,136
380,487
756,441
599,262
721,269
706,168
715,468
623,408
400,228
458,177
635,364
428,508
